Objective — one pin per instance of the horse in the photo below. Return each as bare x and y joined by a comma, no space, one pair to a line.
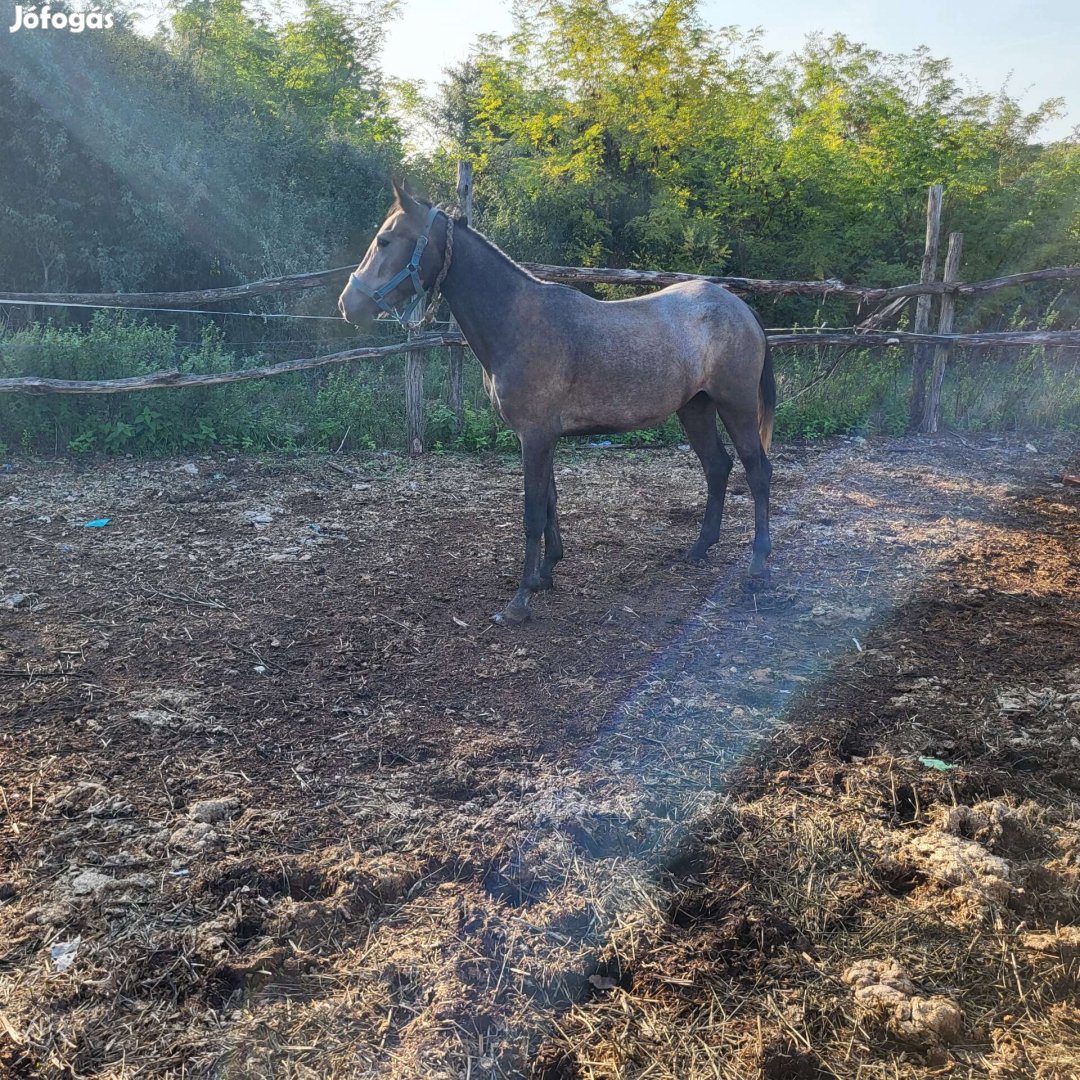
558,362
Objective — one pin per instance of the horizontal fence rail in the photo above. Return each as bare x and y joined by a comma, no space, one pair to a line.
587,275
172,380
1050,339
567,275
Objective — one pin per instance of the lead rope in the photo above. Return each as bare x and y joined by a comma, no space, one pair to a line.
448,254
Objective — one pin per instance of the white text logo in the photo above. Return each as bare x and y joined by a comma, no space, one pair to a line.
75,22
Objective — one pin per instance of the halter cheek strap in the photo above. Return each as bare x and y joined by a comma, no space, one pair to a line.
409,272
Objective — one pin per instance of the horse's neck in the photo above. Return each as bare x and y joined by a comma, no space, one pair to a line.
484,288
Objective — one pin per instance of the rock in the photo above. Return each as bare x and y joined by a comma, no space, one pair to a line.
14,600
94,883
90,881
194,836
208,941
211,810
87,797
76,799
1064,940
883,987
957,861
190,468
58,912
988,823
263,516
879,980
936,1016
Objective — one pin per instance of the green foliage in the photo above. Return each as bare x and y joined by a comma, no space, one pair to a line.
868,392
638,137
224,149
360,409
669,433
249,415
862,392
246,415
1017,391
480,429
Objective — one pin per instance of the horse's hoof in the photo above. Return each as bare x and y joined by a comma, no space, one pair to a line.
512,616
694,558
761,581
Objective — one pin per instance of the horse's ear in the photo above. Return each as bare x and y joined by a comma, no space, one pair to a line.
410,203
400,189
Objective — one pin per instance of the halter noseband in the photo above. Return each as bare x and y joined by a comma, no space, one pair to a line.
409,272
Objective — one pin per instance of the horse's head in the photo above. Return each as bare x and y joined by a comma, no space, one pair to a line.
402,263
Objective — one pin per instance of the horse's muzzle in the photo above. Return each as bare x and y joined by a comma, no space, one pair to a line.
355,308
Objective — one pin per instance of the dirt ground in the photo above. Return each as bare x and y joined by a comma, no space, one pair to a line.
277,799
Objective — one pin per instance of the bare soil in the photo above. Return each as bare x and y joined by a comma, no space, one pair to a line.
277,799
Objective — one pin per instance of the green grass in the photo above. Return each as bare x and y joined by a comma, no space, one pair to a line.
864,392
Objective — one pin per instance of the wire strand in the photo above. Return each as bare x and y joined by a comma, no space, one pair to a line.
171,311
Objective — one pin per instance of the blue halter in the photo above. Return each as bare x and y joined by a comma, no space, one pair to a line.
409,272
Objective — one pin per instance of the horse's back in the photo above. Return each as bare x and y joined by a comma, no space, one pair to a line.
725,318
695,322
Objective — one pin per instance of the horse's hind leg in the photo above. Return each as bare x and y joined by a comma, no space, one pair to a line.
698,417
742,426
553,549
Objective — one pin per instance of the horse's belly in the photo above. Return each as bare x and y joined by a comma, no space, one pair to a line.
630,399
606,417
608,394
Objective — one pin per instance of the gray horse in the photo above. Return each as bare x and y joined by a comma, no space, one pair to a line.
557,362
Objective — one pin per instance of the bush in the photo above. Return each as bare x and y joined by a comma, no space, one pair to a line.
240,416
822,393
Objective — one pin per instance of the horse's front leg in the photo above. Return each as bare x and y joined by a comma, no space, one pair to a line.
537,453
553,549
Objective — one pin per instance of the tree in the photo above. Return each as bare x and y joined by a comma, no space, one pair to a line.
639,137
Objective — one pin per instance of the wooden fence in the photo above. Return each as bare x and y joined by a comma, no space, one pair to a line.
929,349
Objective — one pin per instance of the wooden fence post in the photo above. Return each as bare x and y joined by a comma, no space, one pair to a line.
454,394
415,421
921,354
945,326
415,418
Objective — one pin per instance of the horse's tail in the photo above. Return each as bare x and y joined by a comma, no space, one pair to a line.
766,393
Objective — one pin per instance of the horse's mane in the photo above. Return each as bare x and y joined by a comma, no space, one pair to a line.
461,223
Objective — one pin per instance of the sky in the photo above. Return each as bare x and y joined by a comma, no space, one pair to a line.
1035,44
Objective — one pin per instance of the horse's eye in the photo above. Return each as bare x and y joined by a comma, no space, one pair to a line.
382,241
